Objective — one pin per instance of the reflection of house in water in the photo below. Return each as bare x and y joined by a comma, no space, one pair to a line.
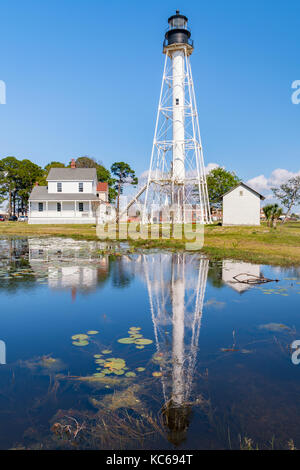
176,286
68,264
231,269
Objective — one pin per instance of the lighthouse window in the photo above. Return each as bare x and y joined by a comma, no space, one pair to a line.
178,23
177,101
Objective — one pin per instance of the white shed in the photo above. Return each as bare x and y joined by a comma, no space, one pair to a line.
241,206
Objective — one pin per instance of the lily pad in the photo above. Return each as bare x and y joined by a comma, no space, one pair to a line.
80,343
115,365
93,332
106,351
140,347
130,374
140,369
156,374
143,341
80,337
274,327
126,340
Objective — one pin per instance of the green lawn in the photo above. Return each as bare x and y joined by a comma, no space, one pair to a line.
256,244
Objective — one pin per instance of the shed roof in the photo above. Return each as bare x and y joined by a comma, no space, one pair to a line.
246,187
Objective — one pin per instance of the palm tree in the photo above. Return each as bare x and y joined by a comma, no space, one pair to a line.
268,213
275,214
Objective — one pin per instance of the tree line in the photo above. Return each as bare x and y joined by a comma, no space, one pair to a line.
17,178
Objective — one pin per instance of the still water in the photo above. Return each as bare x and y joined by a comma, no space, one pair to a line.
104,349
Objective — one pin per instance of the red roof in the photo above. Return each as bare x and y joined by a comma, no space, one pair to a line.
102,187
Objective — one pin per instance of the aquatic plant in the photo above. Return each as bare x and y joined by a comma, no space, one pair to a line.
275,327
135,338
130,374
80,343
82,340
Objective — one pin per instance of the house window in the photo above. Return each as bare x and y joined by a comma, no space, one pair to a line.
59,207
241,193
41,207
80,206
80,185
59,187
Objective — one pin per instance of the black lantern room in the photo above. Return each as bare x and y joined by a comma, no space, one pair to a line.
178,32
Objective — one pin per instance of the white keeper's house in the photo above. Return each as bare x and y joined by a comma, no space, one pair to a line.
72,196
241,206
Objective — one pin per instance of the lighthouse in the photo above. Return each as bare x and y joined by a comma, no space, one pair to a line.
177,41
176,188
176,181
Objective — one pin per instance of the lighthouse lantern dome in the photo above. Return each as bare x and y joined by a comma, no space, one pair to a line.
178,31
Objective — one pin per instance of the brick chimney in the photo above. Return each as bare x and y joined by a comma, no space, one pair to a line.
73,163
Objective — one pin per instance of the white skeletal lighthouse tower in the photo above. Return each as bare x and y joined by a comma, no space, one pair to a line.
176,177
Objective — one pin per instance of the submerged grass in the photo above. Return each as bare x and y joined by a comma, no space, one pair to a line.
254,244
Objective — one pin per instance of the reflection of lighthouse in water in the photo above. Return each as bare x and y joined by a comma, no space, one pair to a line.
176,285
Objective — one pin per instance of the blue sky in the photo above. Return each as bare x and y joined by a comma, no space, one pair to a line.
83,78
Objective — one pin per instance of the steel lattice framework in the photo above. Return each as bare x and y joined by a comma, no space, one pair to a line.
184,190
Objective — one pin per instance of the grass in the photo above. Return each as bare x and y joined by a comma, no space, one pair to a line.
254,244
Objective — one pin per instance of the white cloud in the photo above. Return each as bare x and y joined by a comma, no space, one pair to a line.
269,197
211,166
279,176
259,183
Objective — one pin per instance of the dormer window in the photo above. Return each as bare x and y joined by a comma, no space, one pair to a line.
59,187
80,187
